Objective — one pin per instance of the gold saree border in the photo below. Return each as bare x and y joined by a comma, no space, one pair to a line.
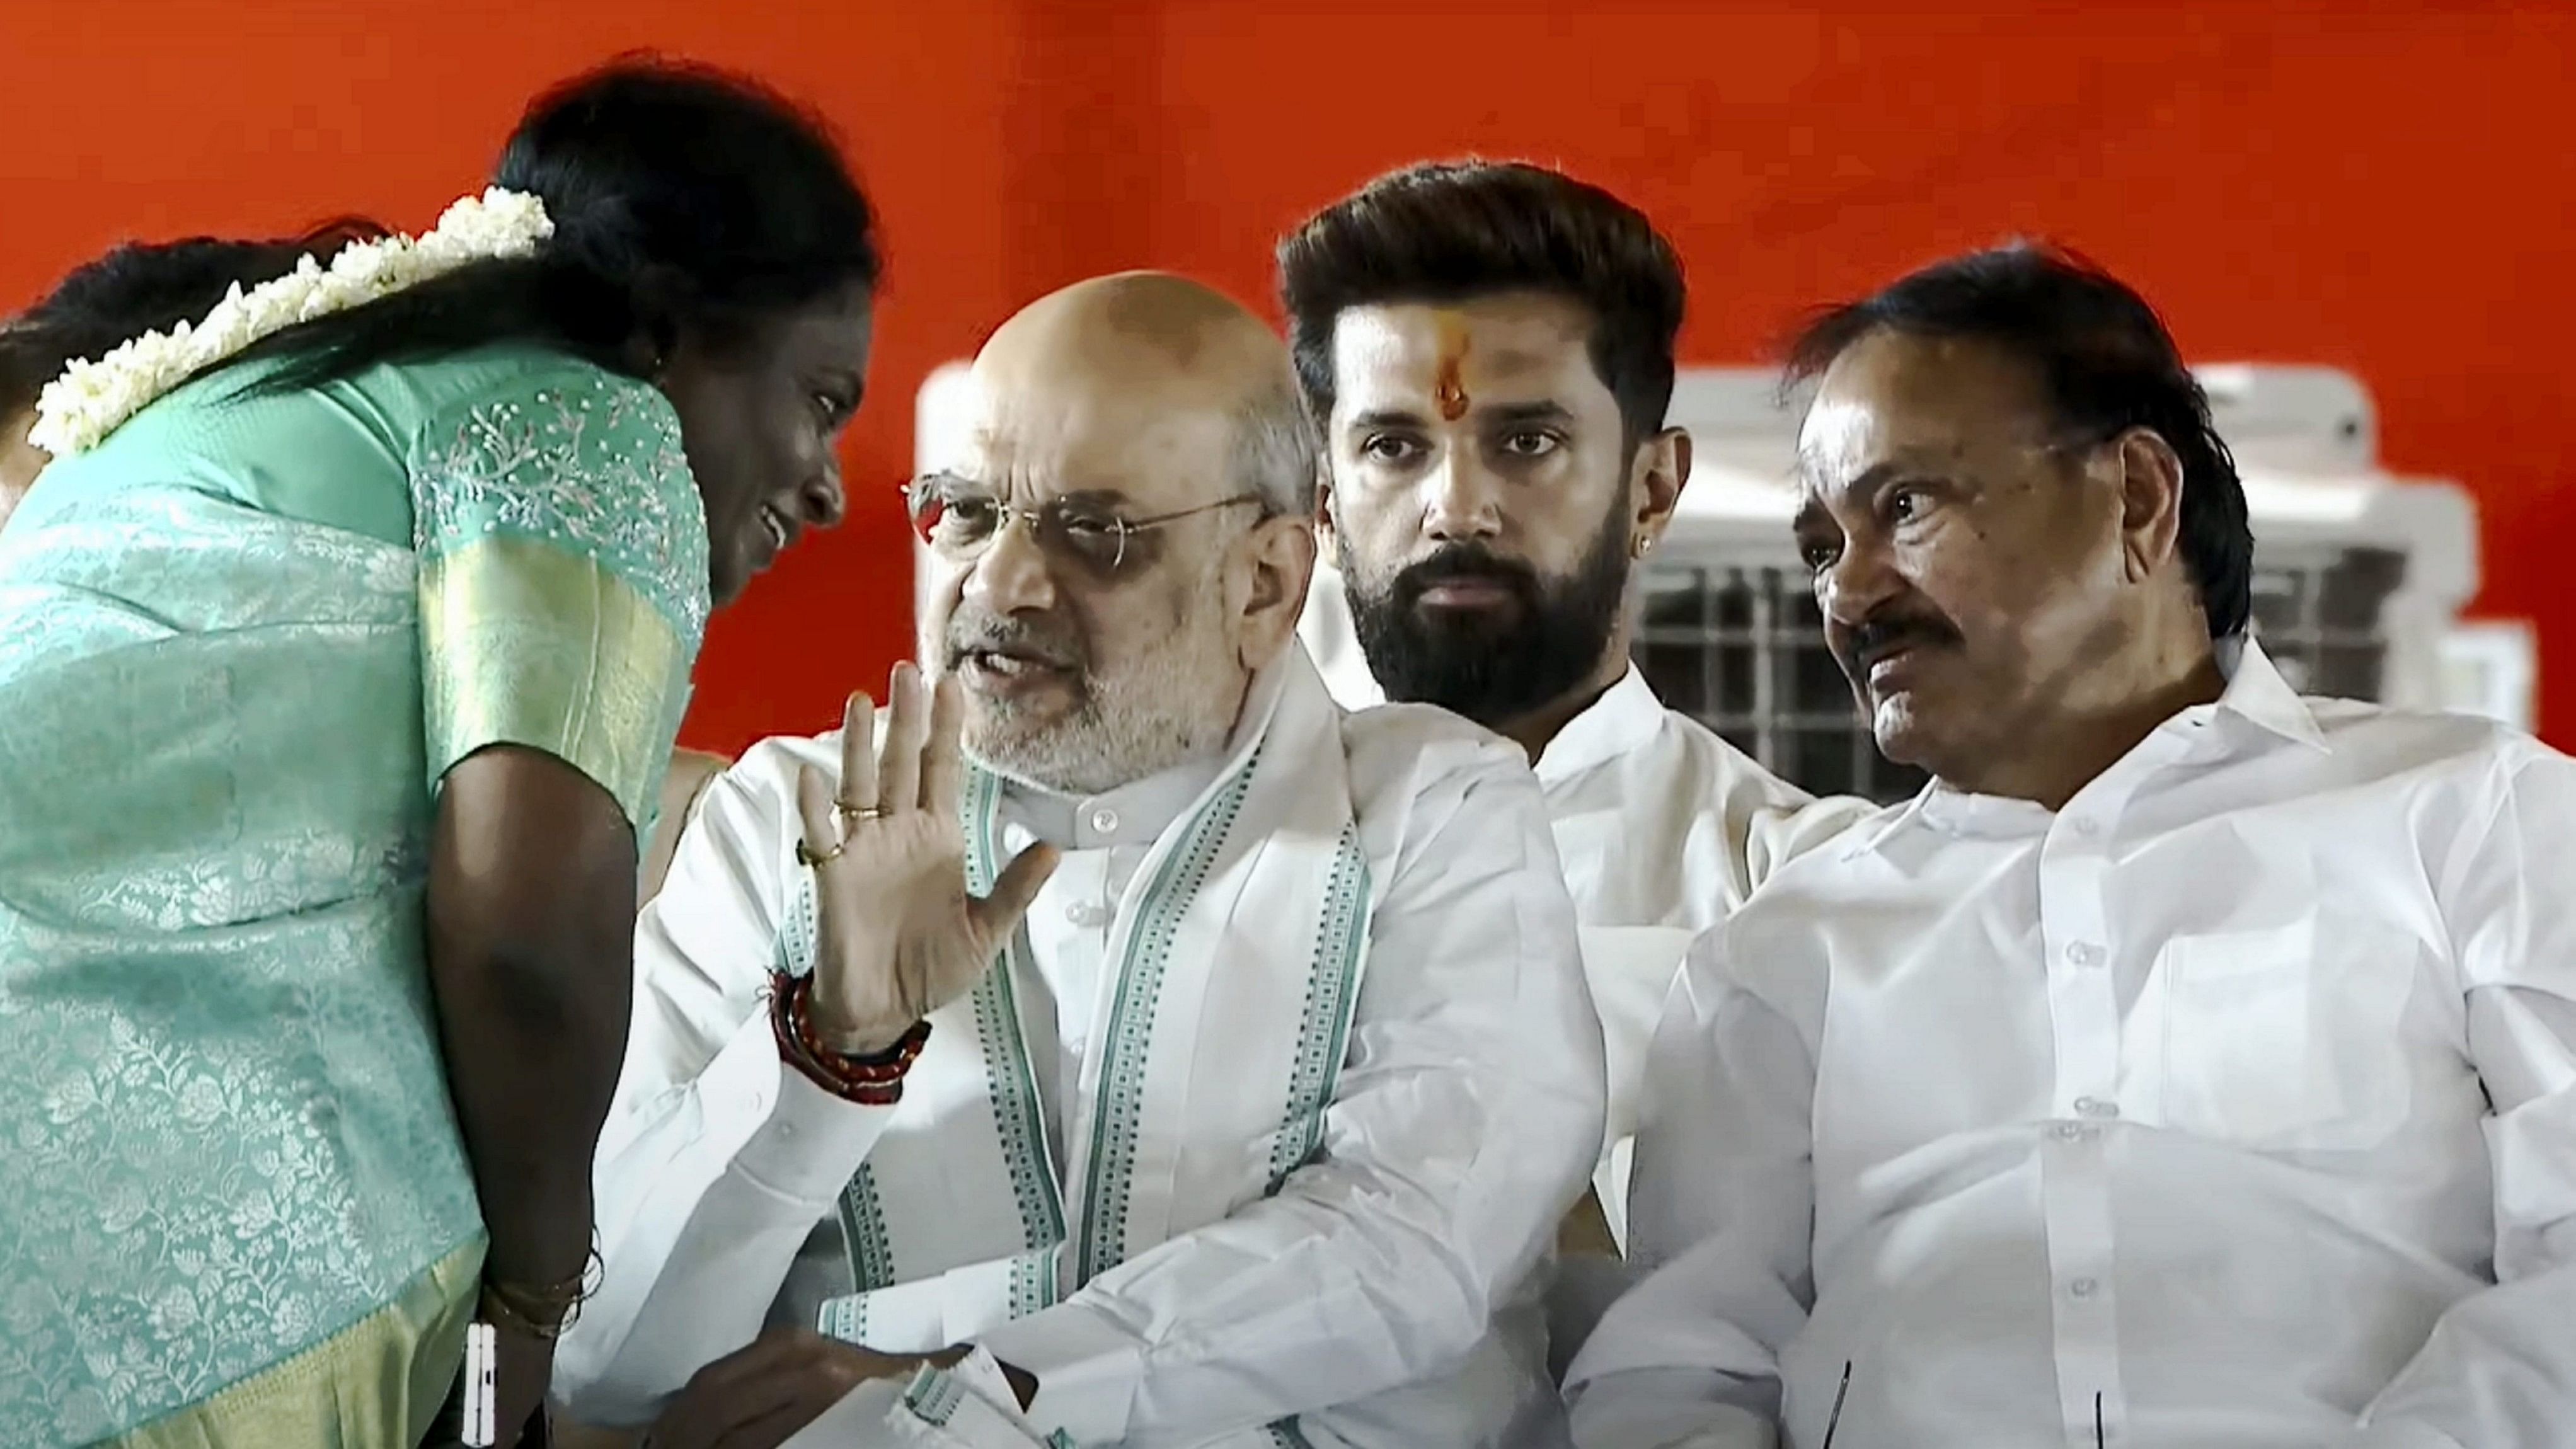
380,1382
525,644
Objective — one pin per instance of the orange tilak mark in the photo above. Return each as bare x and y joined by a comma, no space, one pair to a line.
1447,392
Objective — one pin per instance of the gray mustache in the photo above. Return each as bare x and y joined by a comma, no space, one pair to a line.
999,636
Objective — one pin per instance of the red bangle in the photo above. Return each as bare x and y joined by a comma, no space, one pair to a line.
873,1080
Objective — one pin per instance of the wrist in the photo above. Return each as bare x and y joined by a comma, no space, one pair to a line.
871,1079
561,1258
535,1308
850,1033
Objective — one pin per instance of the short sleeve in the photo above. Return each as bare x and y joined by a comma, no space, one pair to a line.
563,576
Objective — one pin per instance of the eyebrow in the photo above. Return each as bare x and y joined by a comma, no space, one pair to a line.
949,478
1812,513
1546,411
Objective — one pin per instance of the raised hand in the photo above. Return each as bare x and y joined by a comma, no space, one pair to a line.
900,934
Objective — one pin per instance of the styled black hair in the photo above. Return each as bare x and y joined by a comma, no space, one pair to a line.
1446,233
143,287
678,192
2108,364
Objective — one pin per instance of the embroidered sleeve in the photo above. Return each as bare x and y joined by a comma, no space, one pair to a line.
563,578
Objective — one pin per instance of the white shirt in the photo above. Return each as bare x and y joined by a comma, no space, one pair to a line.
1104,839
1464,1120
1663,829
2210,1110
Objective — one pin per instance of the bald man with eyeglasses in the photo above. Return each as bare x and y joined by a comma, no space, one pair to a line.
1113,1041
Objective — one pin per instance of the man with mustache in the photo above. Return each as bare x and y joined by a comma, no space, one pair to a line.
1490,349
2190,1063
1115,1040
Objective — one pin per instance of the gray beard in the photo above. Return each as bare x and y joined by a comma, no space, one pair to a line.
1165,709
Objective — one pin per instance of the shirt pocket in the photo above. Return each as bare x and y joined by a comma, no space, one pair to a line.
2286,1038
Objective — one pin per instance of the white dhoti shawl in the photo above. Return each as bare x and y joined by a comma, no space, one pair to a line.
1238,950
967,1407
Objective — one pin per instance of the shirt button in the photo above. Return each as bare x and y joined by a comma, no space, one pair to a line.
1104,820
1085,914
2084,953
2082,1287
2070,1132
2087,827
2096,1107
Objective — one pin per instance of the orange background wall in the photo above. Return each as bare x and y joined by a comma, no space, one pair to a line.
2385,187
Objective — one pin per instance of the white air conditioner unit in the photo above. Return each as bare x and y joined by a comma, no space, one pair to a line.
2359,575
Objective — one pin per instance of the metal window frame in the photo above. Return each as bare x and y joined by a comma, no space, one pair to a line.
1722,637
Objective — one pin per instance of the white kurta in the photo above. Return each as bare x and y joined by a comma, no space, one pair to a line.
1663,829
2233,1104
1381,1296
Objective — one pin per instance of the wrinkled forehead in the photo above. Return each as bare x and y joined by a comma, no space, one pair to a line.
1893,401
1156,447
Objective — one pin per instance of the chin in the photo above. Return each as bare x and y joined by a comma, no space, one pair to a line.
1903,735
731,571
724,585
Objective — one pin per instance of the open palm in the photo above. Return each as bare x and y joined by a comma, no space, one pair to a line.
900,935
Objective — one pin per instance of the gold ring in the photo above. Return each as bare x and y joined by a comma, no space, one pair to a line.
808,855
859,812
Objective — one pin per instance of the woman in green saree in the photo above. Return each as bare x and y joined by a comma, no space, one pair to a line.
136,288
336,689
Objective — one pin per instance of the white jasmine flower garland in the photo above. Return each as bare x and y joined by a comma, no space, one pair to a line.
95,396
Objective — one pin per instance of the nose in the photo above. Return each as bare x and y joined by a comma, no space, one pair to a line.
820,500
1464,499
1010,575
1857,583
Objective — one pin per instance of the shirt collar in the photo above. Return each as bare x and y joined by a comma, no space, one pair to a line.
2255,693
1625,718
1140,810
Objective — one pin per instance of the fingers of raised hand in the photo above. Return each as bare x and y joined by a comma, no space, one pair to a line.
998,914
858,788
907,730
943,761
821,840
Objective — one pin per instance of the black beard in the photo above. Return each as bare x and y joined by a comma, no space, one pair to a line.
1491,673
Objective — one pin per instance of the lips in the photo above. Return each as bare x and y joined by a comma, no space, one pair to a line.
1000,661
1464,591
1001,671
780,530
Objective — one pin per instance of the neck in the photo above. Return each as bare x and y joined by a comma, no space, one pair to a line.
2053,759
1534,730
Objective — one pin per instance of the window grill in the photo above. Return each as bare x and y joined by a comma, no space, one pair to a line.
1740,647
